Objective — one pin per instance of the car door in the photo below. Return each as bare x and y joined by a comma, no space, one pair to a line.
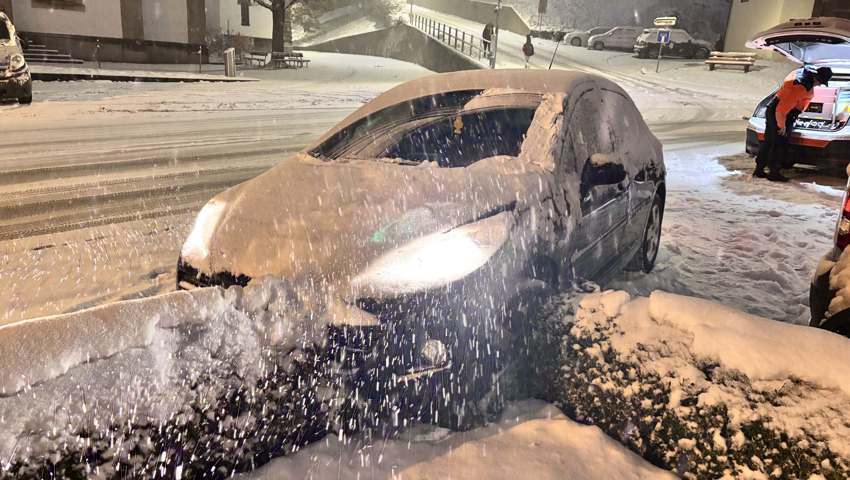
603,186
639,154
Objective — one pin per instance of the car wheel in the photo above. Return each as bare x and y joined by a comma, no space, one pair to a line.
642,54
25,100
644,259
702,53
576,42
599,46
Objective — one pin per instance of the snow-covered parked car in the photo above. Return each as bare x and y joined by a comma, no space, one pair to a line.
622,38
821,135
580,37
15,81
431,218
682,44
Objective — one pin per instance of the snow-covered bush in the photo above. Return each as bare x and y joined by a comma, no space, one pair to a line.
698,388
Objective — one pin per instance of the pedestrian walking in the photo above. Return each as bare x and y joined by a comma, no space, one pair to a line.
528,49
790,101
487,35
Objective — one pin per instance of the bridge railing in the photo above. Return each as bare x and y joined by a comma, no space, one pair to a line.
462,41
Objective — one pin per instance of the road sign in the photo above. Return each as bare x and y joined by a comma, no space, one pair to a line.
665,21
664,36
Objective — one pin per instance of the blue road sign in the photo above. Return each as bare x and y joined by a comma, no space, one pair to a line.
664,36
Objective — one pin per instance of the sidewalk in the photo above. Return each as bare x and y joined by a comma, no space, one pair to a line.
134,72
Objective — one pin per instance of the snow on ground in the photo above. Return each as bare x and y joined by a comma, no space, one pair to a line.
532,440
749,244
332,80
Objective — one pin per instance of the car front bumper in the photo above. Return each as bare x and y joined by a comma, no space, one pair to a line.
16,85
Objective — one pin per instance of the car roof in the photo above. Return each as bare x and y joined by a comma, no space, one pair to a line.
532,81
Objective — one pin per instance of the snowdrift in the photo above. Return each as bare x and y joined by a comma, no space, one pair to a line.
701,389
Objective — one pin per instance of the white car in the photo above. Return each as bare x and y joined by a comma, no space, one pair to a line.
682,44
821,134
579,37
617,38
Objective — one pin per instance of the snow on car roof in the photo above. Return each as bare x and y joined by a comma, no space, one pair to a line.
539,81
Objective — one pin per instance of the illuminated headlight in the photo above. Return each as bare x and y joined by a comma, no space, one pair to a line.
197,246
434,260
17,62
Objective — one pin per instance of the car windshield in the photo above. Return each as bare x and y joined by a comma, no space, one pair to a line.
4,32
453,129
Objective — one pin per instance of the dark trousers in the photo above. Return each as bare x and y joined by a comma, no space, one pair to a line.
774,145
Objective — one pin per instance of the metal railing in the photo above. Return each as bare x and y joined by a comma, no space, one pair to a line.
464,42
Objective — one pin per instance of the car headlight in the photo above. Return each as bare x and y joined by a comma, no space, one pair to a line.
17,62
434,260
196,249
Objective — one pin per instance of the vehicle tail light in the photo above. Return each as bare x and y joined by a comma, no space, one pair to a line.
842,231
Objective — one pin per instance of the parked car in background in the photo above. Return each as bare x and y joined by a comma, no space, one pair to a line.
821,134
682,44
444,199
15,80
616,38
579,37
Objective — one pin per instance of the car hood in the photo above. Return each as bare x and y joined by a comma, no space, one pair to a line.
7,50
330,220
810,41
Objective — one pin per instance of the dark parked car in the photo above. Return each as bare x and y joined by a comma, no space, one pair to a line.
682,44
15,81
431,219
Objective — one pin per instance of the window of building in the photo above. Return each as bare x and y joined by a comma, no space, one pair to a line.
246,13
79,5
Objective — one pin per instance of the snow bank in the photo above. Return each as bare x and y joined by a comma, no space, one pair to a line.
700,388
36,350
532,440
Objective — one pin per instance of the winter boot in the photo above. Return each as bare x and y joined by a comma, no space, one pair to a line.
775,176
759,173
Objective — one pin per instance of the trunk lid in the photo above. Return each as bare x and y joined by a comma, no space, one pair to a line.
808,41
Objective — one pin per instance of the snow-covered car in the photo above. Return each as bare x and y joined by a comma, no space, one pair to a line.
433,216
821,135
579,37
15,81
617,38
682,44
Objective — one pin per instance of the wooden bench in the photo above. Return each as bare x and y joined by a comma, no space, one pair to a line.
257,59
731,59
289,60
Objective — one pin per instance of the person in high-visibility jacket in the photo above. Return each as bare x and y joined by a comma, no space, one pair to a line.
791,99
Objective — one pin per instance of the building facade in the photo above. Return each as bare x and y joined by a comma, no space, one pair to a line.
145,31
748,17
240,23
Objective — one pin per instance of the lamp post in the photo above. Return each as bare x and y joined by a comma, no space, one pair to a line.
495,35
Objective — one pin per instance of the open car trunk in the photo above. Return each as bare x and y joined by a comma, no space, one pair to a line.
822,41
812,41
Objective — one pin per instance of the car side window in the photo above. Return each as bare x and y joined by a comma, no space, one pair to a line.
596,141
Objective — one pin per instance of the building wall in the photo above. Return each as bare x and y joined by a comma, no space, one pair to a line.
165,20
99,18
230,19
753,16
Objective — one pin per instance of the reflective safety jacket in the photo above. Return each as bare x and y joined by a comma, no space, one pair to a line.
793,94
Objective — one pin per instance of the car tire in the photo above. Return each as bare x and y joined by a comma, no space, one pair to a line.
702,53
644,259
25,100
642,54
599,46
576,42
